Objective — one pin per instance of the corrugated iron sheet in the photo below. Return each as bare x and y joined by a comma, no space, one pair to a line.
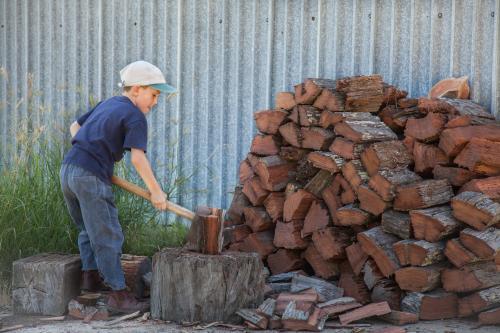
229,58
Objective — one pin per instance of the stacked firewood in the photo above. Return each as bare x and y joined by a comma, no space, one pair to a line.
392,199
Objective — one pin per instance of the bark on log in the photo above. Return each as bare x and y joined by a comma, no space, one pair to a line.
319,182
326,290
371,202
352,215
490,317
326,161
293,154
419,279
476,209
330,100
307,92
489,186
422,194
431,306
387,290
371,273
479,301
364,131
427,157
484,244
471,277
396,223
385,182
329,119
392,95
346,149
291,134
453,140
426,129
456,176
457,254
336,306
308,115
377,244
200,282
419,253
435,223
480,156
354,172
386,155
356,257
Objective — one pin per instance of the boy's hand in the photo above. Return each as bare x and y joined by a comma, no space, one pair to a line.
159,200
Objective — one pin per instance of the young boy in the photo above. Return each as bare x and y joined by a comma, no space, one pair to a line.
100,138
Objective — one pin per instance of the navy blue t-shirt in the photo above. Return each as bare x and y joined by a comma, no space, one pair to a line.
106,131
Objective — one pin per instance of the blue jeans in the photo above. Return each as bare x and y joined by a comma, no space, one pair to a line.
91,205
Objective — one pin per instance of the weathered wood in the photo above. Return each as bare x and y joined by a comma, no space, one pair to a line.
396,223
490,317
371,273
354,287
330,100
258,219
377,244
45,283
317,218
471,277
319,182
285,100
293,154
269,121
265,145
185,272
347,195
236,233
134,268
357,257
419,253
371,202
260,242
352,215
422,194
326,161
274,205
480,156
489,186
297,205
364,131
305,299
283,261
296,320
419,279
305,171
453,140
396,117
457,254
435,223
476,209
234,214
400,317
456,176
426,129
386,155
325,269
427,157
363,93
336,306
316,138
291,134
387,290
392,95
287,235
385,182
484,244
326,290
354,172
245,171
307,92
331,242
253,317
346,149
254,191
329,119
479,301
370,310
431,306
308,115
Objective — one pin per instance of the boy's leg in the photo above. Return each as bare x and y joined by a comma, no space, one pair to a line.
100,218
84,245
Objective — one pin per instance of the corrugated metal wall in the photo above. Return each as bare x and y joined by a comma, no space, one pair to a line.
229,58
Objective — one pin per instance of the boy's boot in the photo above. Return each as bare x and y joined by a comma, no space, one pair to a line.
92,282
125,302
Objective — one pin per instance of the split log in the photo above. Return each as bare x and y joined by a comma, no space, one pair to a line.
451,87
427,157
253,159
396,223
293,154
134,268
308,115
236,233
422,194
331,242
283,261
245,171
484,244
479,301
269,121
254,317
347,195
274,205
234,214
362,93
297,205
329,119
274,172
326,161
260,242
325,269
319,182
436,105
305,171
371,274
287,235
385,182
371,202
305,299
330,100
456,176
296,320
419,279
291,134
354,172
435,223
480,156
426,129
377,244
360,83
316,138
258,219
400,318
285,100
254,191
387,290
317,218
453,140
471,277
407,102
370,310
336,306
265,145
419,253
396,117
489,186
457,254
354,287
385,155
476,209
307,92
469,112
431,306
206,231
352,215
364,131
326,290
392,95
357,257
490,317
174,269
346,149
332,201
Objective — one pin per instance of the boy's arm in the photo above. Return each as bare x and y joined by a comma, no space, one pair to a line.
73,129
141,164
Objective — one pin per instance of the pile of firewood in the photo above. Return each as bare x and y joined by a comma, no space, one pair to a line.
391,199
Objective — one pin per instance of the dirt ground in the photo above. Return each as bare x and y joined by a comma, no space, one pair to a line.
33,324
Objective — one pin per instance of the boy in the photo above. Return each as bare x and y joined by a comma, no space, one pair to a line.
99,139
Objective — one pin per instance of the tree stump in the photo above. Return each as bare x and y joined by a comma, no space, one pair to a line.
44,284
193,287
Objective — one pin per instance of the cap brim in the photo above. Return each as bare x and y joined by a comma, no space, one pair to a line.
163,87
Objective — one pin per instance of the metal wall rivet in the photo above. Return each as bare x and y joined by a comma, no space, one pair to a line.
492,14
220,21
370,15
440,15
313,18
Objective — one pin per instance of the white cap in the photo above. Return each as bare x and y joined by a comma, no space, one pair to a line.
142,73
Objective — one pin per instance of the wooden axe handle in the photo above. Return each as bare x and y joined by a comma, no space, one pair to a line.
137,190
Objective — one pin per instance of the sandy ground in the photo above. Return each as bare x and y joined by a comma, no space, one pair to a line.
32,324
